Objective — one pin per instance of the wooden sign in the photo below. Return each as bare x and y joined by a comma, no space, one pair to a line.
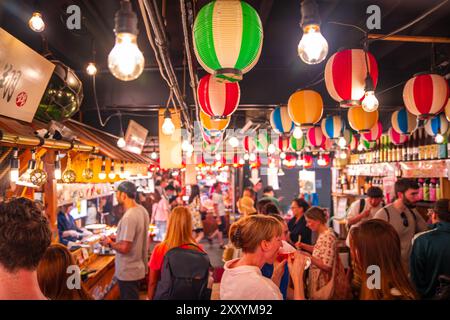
24,75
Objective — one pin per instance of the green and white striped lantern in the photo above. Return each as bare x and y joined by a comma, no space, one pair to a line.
262,141
228,38
298,144
368,144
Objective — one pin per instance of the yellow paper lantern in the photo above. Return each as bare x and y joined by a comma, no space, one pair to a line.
361,120
305,108
447,110
213,125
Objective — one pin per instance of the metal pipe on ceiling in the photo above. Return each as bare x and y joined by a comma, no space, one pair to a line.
404,38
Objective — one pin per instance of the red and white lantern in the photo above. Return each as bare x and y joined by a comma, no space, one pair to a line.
345,75
397,138
249,144
282,143
218,99
315,137
425,95
374,133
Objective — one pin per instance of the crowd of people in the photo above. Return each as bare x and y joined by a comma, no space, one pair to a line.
394,252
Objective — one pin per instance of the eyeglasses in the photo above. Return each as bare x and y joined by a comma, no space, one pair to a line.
404,219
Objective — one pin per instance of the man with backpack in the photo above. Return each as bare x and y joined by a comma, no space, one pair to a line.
365,208
403,215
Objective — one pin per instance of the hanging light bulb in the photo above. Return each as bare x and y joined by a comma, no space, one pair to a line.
370,101
283,155
112,172
360,147
36,23
439,138
32,162
218,157
168,127
298,133
252,157
154,155
175,173
199,177
102,173
234,142
271,148
313,47
14,171
280,172
121,142
122,171
57,171
343,155
342,142
185,145
126,61
91,69
241,161
246,157
321,161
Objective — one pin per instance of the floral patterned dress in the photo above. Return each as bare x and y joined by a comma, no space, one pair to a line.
325,250
194,206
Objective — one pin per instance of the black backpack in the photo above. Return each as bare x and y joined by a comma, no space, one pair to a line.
184,275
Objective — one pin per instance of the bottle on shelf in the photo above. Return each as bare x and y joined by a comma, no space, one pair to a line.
421,145
420,195
405,152
432,190
426,191
415,145
438,190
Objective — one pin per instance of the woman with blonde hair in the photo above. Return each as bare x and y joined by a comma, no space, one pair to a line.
179,234
259,237
327,279
376,243
52,275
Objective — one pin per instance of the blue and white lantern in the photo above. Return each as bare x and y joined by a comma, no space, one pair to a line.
332,127
280,121
404,122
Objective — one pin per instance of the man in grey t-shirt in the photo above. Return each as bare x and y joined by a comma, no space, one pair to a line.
403,216
130,243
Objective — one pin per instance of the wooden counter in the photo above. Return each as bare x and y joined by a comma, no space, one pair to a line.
100,284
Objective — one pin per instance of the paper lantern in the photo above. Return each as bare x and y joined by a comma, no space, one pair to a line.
328,145
425,95
305,108
213,125
397,138
436,125
217,99
353,145
447,110
345,75
262,141
211,139
368,144
374,133
361,120
348,136
283,144
404,122
281,121
249,144
315,137
298,144
228,37
290,161
325,160
307,161
332,127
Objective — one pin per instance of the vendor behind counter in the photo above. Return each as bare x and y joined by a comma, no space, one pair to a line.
68,231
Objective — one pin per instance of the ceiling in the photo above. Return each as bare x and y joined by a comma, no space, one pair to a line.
278,73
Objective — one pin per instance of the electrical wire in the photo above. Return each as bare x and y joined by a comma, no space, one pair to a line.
348,25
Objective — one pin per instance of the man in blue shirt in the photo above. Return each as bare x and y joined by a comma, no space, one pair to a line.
430,256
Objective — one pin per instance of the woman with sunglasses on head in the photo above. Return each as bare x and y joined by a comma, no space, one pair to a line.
403,215
375,248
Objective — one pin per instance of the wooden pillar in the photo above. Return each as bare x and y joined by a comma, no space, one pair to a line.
50,195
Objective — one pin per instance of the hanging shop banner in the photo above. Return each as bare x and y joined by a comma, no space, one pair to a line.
135,137
307,180
272,178
24,75
170,145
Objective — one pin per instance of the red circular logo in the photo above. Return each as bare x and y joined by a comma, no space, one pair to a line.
21,99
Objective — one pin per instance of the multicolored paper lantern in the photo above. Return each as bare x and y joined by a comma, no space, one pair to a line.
305,108
307,161
280,121
345,75
360,120
436,125
249,144
228,37
262,141
425,95
332,127
213,125
282,144
348,136
397,138
217,99
298,144
368,144
404,122
315,137
374,133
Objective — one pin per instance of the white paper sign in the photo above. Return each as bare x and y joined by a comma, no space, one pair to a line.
135,137
24,75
